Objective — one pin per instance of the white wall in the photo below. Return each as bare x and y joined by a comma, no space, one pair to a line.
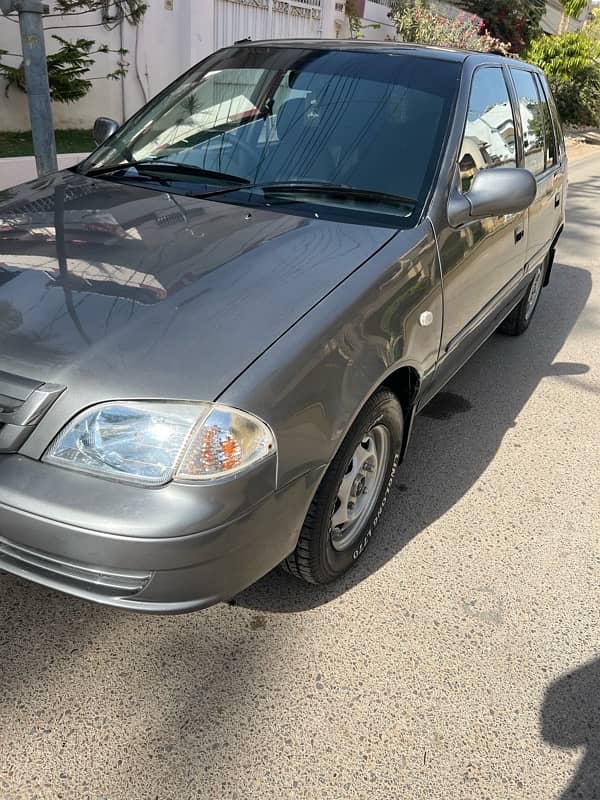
259,19
171,37
14,171
377,13
554,21
13,109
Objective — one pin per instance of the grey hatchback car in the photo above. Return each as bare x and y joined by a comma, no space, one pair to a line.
216,331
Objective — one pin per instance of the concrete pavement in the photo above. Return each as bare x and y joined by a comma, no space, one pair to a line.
460,660
19,169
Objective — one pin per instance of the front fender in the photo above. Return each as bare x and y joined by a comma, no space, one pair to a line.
312,382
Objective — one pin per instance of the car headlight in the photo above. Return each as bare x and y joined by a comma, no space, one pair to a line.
152,443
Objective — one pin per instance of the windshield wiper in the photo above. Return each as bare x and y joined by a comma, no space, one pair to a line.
333,190
324,188
157,165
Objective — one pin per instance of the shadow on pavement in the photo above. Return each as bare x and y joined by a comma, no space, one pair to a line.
455,438
582,217
154,696
571,719
101,703
143,707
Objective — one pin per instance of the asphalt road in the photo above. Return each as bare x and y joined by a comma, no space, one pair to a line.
461,659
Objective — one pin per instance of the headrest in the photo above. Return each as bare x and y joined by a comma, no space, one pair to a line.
291,113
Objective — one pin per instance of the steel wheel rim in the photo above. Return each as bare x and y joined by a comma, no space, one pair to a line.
534,293
360,487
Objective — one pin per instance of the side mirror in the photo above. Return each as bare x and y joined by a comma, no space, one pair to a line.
104,127
494,192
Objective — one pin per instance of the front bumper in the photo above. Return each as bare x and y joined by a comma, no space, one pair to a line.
168,550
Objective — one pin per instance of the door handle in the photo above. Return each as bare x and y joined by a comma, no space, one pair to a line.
556,200
519,232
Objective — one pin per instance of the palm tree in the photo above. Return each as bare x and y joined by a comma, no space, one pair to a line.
571,8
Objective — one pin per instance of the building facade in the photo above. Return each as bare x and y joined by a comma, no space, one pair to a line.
174,34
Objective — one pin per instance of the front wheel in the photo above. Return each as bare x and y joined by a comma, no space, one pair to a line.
350,500
519,318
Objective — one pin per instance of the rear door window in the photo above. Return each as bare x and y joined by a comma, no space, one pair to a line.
489,138
531,109
556,123
551,150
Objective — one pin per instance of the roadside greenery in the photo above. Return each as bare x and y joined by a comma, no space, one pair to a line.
417,21
354,21
516,22
67,69
70,141
564,56
572,63
570,60
70,65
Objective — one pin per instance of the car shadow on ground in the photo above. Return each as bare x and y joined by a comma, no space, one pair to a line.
570,719
101,703
454,439
76,678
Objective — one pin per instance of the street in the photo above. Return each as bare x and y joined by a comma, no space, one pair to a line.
459,661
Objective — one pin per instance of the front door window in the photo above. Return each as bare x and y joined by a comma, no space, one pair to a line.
489,138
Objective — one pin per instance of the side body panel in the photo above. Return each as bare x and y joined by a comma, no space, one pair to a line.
546,211
560,196
311,384
482,261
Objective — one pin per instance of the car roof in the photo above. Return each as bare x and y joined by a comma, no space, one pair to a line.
364,45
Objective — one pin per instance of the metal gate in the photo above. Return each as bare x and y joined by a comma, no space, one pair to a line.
266,19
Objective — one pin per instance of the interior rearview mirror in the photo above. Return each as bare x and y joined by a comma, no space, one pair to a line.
494,192
104,127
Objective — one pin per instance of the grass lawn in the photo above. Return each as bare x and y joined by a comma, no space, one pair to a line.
20,144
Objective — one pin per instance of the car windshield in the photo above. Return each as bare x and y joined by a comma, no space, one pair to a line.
251,119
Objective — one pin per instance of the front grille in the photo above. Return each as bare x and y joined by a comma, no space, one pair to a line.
170,218
61,574
23,402
47,203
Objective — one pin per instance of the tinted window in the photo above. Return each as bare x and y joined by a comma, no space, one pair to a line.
551,149
554,114
369,121
550,152
532,118
489,138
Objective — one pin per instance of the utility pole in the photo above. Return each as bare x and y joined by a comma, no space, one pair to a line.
36,79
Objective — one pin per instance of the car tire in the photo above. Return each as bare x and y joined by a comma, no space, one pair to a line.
519,318
352,495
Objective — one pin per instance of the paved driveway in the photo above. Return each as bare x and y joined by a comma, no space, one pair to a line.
459,661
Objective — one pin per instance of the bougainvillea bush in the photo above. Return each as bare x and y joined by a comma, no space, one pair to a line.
418,22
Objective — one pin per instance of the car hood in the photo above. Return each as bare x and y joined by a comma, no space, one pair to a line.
138,293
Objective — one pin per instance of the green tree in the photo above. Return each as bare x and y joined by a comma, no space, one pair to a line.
69,66
566,55
355,22
592,27
513,21
572,63
517,21
417,21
